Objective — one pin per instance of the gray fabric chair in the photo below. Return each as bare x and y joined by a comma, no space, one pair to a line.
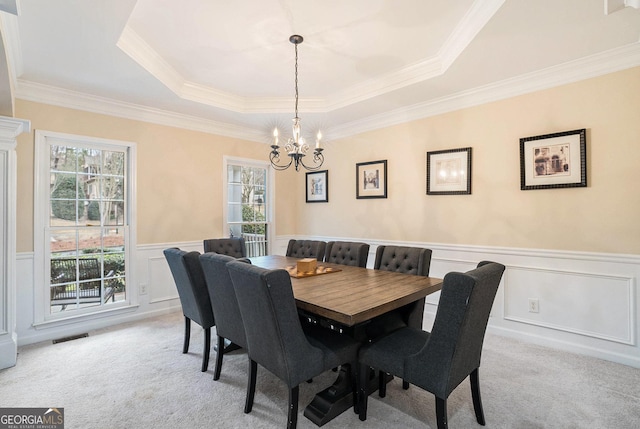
306,249
234,247
347,253
229,323
194,296
275,337
440,360
407,260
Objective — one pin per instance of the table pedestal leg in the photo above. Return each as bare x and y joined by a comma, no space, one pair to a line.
338,397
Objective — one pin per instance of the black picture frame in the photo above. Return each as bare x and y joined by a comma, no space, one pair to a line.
371,179
551,161
317,187
449,172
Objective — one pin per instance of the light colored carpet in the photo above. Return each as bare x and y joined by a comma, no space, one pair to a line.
135,376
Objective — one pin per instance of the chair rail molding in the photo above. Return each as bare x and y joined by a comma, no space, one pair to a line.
574,290
10,129
587,302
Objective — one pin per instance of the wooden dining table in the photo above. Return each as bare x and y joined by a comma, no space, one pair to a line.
345,299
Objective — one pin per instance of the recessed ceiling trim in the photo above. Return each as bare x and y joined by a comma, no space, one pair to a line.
596,65
592,66
135,46
475,19
31,91
465,31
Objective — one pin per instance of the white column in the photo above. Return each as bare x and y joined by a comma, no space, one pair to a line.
10,128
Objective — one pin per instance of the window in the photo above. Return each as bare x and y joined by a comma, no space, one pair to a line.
82,223
248,204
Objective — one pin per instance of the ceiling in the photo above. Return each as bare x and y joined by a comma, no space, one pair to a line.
228,67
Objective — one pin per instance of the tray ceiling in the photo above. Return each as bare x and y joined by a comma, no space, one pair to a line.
228,67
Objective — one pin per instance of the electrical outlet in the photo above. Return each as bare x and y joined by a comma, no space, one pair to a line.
534,305
143,289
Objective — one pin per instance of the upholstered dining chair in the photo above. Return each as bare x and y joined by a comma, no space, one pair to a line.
194,296
347,253
275,337
407,260
306,249
234,246
438,361
229,323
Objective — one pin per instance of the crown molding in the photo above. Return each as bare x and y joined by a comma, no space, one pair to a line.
143,54
467,29
135,46
596,65
473,21
592,66
31,91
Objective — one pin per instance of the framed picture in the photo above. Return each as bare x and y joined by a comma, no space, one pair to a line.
371,179
318,187
554,160
449,172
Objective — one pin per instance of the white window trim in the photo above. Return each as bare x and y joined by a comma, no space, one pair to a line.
42,316
271,194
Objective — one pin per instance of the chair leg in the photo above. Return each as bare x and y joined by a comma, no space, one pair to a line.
207,348
441,413
405,385
475,394
219,355
251,386
292,418
187,334
382,384
363,375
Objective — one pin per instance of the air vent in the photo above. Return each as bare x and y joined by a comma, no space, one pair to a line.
71,338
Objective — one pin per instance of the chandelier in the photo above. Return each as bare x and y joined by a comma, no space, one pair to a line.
296,147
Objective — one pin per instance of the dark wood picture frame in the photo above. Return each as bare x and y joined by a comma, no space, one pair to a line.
557,160
449,172
317,186
371,179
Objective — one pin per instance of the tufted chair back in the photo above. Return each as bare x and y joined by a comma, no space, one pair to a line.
233,247
306,249
402,259
347,253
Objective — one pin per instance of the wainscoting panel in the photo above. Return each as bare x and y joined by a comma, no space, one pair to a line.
595,305
163,287
588,303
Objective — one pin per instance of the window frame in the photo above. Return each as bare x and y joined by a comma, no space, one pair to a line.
42,309
269,187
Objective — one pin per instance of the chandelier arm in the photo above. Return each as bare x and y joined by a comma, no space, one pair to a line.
276,156
317,156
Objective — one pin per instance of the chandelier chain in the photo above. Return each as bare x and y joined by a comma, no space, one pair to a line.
296,78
